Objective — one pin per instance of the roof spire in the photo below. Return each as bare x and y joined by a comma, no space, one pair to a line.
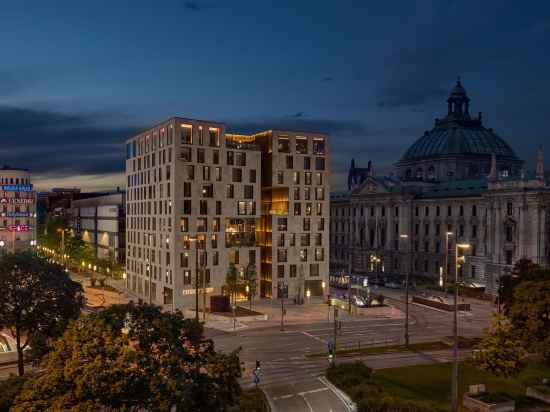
540,163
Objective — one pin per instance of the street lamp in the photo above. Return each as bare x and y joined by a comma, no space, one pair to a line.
406,237
194,239
447,234
454,405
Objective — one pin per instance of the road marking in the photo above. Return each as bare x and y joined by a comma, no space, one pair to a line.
277,398
307,403
313,391
313,337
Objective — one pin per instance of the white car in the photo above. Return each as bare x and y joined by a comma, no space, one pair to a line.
8,351
359,301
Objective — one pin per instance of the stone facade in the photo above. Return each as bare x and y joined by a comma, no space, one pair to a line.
411,223
200,199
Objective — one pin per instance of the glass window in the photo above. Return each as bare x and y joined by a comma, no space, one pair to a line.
186,154
319,146
307,163
301,145
319,163
214,137
283,144
186,134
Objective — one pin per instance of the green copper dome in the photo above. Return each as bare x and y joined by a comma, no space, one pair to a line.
458,134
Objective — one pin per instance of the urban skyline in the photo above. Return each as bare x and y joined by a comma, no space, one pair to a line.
375,104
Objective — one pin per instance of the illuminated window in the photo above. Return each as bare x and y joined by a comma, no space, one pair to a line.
303,255
214,137
186,134
319,146
308,178
301,145
184,224
319,254
280,177
202,224
283,144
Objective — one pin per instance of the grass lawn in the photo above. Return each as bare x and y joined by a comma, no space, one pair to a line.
433,382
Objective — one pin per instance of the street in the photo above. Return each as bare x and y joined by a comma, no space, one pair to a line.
291,380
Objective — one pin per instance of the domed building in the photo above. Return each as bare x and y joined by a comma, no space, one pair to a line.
458,147
458,182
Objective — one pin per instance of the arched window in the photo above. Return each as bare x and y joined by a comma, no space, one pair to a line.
408,173
431,173
419,173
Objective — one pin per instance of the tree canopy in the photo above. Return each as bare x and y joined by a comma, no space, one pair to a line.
133,357
530,313
500,351
37,301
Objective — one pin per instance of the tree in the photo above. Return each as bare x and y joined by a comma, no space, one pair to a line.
231,281
499,352
530,313
134,357
524,269
37,301
251,281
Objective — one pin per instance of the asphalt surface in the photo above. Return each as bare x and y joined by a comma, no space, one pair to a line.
291,380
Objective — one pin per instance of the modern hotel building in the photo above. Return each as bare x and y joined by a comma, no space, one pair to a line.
200,199
17,210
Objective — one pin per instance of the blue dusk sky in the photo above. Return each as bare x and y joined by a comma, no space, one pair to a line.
79,77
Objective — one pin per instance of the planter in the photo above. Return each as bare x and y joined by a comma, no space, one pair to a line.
440,305
477,405
536,394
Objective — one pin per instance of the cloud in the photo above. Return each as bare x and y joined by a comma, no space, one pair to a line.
14,81
192,6
61,144
542,26
298,114
327,79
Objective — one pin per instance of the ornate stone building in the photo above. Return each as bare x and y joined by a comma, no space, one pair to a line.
458,182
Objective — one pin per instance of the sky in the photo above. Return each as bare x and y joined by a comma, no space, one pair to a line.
78,78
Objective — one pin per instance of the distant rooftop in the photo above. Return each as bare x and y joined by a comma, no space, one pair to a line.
6,167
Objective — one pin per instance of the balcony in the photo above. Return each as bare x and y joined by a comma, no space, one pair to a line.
242,146
240,239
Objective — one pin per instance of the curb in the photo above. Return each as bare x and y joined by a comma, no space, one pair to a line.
350,405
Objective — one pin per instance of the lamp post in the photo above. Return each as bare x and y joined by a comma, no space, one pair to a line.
454,405
447,234
406,237
194,239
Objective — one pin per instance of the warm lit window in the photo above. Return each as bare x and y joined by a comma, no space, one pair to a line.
319,146
284,144
186,134
301,145
214,137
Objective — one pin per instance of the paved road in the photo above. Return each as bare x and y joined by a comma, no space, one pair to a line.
291,381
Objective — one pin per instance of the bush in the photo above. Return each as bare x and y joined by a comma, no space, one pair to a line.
251,401
355,380
9,389
347,375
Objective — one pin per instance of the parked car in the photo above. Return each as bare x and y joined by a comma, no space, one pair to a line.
359,301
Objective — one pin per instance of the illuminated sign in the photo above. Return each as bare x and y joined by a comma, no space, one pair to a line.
19,228
16,214
16,200
18,188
